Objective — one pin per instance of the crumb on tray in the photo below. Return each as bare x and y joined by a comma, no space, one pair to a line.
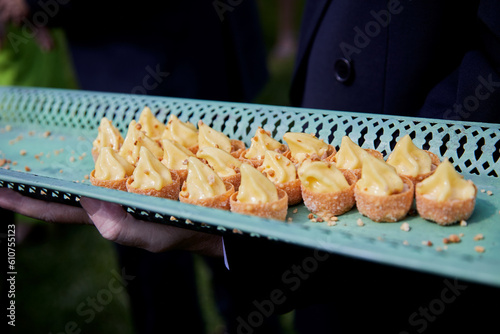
479,249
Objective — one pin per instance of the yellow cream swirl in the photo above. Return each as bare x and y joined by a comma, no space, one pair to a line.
446,184
185,133
260,143
379,178
321,177
175,155
278,168
107,136
133,142
111,166
222,162
212,138
150,173
202,181
304,145
255,187
151,126
409,159
349,155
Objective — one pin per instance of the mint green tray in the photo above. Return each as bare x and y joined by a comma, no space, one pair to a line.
58,172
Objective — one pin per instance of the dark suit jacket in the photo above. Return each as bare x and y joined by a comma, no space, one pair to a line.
436,59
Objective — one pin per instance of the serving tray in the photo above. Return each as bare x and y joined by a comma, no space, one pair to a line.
46,139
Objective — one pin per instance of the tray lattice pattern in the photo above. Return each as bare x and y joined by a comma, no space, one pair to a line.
473,149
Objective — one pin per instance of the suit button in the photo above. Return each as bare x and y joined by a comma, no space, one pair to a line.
343,70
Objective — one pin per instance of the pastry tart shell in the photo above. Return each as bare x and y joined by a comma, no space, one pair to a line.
120,184
237,148
293,191
389,208
328,204
275,210
216,202
447,212
235,180
170,191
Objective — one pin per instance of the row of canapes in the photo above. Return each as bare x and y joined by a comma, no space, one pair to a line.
202,166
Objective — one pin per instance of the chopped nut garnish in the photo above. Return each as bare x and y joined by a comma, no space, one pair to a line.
72,159
271,173
489,192
188,221
446,241
173,218
360,222
427,243
14,163
479,249
405,227
310,216
290,219
22,152
46,134
235,230
26,168
406,243
295,210
61,171
463,223
319,219
313,220
332,223
483,190
454,238
478,237
2,162
8,128
86,177
334,219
